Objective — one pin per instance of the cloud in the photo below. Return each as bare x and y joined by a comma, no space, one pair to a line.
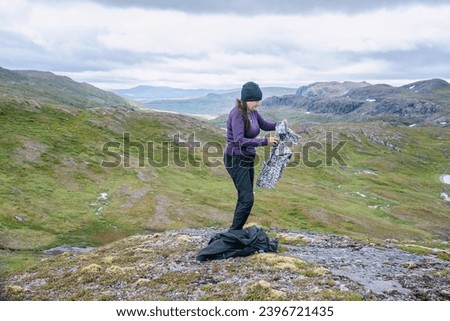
127,43
250,8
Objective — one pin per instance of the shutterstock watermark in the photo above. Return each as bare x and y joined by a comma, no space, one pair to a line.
182,152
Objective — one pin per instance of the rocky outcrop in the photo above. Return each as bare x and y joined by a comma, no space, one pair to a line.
329,89
309,266
428,86
420,101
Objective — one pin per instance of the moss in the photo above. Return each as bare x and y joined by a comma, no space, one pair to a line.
425,250
443,272
409,265
91,269
262,291
176,280
116,270
16,262
282,249
419,250
82,295
443,256
292,240
220,292
341,296
90,273
215,268
320,271
232,269
271,261
13,293
109,259
116,274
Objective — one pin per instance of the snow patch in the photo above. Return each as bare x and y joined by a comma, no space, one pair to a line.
366,171
360,194
445,179
100,203
103,196
445,197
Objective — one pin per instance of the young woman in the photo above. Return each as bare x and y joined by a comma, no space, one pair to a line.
243,126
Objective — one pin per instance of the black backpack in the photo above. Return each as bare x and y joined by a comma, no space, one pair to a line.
238,243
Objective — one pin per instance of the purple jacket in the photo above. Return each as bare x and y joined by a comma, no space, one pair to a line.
241,141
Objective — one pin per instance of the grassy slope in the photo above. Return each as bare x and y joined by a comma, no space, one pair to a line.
398,199
46,87
52,199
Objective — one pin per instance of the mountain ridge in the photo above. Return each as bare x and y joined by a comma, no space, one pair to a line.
210,102
47,87
421,102
145,93
426,101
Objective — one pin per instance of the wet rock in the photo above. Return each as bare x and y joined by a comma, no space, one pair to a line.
66,249
383,270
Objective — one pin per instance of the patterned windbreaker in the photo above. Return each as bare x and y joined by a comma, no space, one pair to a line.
279,157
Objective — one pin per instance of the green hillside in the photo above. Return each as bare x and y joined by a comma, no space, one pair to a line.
38,87
60,184
52,177
52,181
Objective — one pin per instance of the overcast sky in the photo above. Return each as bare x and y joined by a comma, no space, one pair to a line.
222,44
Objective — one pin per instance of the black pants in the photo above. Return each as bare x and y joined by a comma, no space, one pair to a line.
241,170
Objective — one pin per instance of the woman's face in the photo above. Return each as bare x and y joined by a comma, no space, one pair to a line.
252,105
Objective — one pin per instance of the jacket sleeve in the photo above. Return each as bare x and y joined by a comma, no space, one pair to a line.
238,127
264,124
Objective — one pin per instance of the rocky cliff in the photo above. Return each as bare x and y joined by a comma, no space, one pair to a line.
422,101
308,266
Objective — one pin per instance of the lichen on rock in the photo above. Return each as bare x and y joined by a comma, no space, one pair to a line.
163,266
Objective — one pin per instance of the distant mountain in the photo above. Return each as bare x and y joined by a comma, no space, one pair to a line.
212,104
192,101
46,87
328,89
151,93
428,86
422,101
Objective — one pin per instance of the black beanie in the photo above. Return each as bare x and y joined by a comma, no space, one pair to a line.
251,92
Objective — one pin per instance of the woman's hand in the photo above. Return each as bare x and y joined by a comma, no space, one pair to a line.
273,141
